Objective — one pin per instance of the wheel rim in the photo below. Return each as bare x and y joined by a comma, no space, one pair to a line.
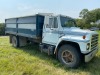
67,57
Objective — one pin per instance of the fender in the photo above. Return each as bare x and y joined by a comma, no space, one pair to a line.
75,39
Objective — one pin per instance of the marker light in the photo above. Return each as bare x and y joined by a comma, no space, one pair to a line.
84,37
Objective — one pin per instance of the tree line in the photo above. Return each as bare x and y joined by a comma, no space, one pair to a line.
88,18
2,29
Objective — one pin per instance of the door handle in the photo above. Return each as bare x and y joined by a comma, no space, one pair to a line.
52,29
61,34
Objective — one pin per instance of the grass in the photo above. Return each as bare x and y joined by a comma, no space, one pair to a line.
30,61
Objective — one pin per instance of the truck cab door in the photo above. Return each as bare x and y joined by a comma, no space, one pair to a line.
51,31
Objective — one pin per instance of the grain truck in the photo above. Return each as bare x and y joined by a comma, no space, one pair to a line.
56,35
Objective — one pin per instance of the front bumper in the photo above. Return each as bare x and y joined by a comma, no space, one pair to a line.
89,56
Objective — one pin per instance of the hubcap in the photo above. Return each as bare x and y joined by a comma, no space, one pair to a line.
67,56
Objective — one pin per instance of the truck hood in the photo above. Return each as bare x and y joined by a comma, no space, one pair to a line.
77,31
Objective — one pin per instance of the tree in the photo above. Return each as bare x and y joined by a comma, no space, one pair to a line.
83,13
93,15
89,16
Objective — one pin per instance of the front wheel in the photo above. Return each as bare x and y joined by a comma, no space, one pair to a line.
69,56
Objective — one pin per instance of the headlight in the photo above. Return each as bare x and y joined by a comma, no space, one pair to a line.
88,46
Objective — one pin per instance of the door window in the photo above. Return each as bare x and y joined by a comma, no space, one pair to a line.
55,25
52,23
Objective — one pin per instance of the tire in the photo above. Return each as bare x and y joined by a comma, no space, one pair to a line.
15,41
69,56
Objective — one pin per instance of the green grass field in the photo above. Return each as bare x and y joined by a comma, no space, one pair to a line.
30,61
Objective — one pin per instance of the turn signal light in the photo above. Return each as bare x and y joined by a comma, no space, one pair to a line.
84,37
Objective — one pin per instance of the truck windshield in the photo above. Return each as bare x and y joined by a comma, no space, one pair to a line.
67,22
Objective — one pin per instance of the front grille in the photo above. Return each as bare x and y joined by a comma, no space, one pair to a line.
94,42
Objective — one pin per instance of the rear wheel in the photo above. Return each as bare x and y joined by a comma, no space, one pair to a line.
69,56
15,41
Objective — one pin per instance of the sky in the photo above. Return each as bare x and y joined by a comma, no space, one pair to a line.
17,8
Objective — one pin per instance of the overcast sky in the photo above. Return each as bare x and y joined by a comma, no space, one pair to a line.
16,8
